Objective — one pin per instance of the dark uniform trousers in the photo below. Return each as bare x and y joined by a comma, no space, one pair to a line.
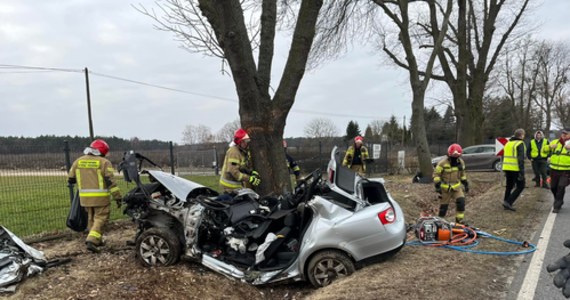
558,182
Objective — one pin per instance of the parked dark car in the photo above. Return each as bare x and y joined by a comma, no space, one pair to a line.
478,157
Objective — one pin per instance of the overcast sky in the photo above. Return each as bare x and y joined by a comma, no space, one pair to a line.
115,42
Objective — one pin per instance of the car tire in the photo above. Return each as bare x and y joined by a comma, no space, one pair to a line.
157,246
327,266
498,166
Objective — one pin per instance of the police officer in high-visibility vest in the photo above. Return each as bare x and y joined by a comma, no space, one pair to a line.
95,178
450,181
356,156
538,152
559,168
513,166
237,171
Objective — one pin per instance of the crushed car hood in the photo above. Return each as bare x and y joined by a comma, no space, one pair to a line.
17,260
178,186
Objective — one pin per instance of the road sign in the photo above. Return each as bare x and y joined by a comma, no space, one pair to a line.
376,148
500,143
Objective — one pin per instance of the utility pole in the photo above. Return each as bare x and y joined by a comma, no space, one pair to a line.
89,104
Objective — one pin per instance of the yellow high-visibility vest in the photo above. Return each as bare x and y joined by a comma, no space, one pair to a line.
510,157
560,159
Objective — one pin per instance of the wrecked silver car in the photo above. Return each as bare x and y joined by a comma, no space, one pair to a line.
318,233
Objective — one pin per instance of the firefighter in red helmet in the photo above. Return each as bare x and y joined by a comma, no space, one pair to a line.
95,178
237,170
450,181
356,156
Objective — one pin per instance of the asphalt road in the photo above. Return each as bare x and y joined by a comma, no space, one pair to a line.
532,280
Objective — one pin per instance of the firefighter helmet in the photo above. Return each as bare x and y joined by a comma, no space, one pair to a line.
358,139
454,150
100,145
240,135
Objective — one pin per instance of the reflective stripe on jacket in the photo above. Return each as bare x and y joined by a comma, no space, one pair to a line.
349,156
560,159
450,177
510,157
95,180
235,162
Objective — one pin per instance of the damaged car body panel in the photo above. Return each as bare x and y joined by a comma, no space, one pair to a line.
335,222
17,260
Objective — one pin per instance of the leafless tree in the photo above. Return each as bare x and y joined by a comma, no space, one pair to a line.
197,134
535,80
562,109
553,69
518,78
238,30
321,128
376,127
405,54
226,133
470,53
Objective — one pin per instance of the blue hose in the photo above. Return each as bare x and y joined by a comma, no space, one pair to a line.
468,248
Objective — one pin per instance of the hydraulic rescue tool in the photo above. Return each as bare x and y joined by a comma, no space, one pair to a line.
435,231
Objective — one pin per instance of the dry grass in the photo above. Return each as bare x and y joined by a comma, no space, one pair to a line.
416,272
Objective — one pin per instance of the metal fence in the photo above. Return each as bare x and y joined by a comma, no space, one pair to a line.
35,196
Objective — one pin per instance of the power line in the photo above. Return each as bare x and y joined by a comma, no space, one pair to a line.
302,111
162,87
40,68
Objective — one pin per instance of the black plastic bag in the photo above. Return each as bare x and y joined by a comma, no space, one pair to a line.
77,217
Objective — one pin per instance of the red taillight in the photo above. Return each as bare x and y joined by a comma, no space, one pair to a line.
331,175
388,216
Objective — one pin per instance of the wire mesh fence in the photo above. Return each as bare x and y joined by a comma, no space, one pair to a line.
35,196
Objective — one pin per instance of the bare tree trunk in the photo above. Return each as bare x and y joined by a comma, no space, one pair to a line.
398,12
419,129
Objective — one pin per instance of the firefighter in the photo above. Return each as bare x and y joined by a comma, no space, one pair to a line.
450,181
513,166
356,156
537,152
94,175
292,164
561,265
237,172
560,168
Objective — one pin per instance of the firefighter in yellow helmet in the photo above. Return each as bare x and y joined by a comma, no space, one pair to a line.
450,181
513,167
237,171
94,175
356,156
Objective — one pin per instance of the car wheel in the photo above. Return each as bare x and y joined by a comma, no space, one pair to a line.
326,266
157,246
498,166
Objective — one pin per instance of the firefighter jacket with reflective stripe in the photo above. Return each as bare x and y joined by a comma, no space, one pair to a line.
560,158
355,157
95,180
513,155
292,165
237,166
449,176
538,149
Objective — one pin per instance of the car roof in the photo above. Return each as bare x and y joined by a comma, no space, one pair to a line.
481,145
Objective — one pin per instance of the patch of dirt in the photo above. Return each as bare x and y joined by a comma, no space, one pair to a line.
416,272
